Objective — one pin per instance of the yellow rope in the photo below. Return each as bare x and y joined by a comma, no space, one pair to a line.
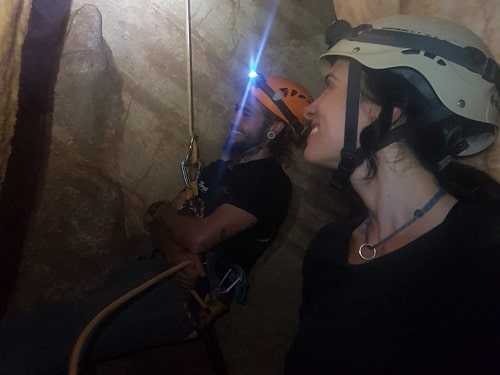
112,307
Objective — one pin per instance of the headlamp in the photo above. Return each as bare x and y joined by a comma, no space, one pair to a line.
253,74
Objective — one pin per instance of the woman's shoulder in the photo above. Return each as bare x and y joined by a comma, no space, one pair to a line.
479,220
476,228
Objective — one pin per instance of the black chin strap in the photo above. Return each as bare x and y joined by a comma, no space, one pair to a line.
351,156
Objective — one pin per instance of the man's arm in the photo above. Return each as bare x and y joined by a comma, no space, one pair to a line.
175,254
198,235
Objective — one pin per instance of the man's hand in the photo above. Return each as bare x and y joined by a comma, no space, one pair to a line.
176,254
188,276
180,200
178,203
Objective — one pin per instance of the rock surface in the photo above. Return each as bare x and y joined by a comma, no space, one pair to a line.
14,17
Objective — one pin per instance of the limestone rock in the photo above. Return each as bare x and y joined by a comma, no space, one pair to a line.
81,227
88,107
14,15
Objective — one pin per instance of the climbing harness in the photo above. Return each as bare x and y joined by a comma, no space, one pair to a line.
232,277
218,293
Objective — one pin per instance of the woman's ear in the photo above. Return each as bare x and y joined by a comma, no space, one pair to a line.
373,111
396,114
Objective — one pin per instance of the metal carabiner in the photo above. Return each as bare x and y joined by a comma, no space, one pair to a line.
191,167
219,290
186,164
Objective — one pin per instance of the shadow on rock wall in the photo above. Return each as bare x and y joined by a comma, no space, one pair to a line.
88,105
79,231
40,61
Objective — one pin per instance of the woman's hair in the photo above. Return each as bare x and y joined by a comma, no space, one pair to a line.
430,140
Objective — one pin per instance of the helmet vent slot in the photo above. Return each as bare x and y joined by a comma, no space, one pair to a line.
411,52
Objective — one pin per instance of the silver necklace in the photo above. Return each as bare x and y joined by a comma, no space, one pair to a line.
368,251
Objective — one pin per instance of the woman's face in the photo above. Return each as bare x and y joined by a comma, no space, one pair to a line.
327,115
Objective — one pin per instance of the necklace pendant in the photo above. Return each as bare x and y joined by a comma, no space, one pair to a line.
367,251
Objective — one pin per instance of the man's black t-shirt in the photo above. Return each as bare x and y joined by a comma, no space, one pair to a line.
259,187
431,307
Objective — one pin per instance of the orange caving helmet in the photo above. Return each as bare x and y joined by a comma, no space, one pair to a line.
286,99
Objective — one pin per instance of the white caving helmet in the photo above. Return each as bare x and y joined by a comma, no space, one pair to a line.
461,75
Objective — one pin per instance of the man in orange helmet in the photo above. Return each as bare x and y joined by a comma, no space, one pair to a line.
246,193
245,196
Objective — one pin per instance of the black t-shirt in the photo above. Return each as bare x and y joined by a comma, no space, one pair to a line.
432,307
259,187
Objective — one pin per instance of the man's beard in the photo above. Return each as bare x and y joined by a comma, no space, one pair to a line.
236,148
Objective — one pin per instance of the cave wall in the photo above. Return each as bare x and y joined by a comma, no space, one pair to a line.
14,15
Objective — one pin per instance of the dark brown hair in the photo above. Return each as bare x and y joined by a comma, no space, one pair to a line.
430,141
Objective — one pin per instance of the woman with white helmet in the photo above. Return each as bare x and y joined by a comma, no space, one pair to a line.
412,285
